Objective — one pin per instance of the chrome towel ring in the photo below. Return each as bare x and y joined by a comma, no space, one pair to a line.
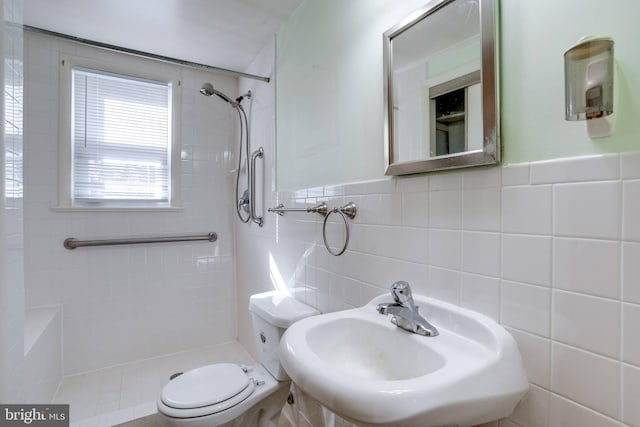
347,211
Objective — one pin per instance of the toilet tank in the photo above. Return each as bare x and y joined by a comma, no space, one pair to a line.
271,314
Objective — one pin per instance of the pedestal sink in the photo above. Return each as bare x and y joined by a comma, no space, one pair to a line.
370,372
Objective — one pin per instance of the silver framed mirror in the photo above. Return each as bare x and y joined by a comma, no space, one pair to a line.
441,88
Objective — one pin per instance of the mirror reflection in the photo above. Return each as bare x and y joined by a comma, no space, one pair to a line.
440,88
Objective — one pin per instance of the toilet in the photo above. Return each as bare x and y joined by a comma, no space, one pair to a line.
227,394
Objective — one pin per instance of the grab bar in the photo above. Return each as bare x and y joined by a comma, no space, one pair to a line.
259,153
320,208
72,243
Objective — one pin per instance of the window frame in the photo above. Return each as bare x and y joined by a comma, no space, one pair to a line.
139,70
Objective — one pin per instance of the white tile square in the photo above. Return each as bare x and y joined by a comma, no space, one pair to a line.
536,356
630,393
334,190
481,209
377,186
479,252
444,285
481,294
445,248
587,266
589,210
527,209
631,272
631,222
575,374
631,333
445,181
527,259
481,178
415,209
586,168
630,165
565,413
445,209
412,184
573,322
383,209
526,307
517,174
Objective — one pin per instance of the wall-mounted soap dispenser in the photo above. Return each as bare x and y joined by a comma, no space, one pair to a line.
589,84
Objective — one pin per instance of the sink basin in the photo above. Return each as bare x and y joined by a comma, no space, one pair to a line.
367,370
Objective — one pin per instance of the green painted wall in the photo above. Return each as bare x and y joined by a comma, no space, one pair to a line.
329,84
534,37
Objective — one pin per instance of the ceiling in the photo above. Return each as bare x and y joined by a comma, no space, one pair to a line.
220,33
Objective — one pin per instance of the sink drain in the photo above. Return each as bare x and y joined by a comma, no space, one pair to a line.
176,375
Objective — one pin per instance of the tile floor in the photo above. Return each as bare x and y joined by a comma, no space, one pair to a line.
126,394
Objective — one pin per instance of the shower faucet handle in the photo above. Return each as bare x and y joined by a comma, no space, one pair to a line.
244,202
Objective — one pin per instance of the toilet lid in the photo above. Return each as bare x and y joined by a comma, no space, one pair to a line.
205,386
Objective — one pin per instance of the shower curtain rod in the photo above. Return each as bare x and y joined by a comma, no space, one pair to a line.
145,54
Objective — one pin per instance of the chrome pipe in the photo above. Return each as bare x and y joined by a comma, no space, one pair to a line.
320,209
258,154
72,243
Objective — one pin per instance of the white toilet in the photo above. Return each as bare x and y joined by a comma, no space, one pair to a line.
226,394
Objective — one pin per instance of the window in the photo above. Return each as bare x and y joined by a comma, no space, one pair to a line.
118,139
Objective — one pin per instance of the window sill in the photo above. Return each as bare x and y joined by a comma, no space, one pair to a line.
116,209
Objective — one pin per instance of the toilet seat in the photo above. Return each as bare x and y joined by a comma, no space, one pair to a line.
206,390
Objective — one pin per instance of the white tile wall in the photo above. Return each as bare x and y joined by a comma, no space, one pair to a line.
131,302
578,319
588,210
571,256
527,259
526,307
586,378
566,413
630,391
630,272
631,210
14,386
630,333
527,209
551,254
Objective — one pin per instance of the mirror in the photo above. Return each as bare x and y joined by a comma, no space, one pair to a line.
440,67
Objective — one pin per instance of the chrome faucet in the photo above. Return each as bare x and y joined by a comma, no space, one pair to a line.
404,312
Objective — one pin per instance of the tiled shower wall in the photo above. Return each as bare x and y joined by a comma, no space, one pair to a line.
11,207
548,249
126,303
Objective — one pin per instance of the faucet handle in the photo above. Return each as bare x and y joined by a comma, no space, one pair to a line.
401,292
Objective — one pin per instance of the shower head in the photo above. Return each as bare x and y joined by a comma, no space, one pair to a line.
208,90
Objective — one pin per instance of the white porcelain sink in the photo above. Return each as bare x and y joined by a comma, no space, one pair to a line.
369,371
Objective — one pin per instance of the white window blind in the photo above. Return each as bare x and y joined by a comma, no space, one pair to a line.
121,140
